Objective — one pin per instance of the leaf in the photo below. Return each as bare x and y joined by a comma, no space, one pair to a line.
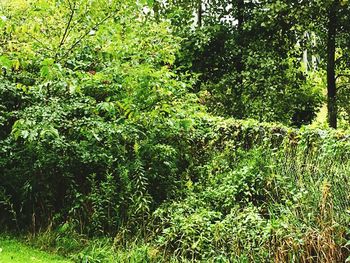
49,131
16,64
47,62
5,62
25,134
344,2
187,124
44,71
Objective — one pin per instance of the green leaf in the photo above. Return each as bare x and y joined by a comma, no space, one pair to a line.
5,62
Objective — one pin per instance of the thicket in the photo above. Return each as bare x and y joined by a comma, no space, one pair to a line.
102,136
221,190
250,192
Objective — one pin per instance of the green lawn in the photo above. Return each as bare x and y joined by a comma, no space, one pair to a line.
12,250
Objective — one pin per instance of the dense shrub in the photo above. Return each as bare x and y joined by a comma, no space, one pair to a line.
84,114
261,205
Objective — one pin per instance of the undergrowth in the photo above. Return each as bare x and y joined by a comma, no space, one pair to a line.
244,201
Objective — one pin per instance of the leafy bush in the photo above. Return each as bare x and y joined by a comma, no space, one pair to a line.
84,114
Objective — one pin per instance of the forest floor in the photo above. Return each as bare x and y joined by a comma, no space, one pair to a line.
12,250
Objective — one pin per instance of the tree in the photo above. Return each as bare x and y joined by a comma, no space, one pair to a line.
329,21
87,91
247,59
331,49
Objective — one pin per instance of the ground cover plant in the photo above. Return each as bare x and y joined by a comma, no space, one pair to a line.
124,134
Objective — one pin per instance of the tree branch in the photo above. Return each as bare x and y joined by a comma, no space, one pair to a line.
86,33
41,43
65,34
77,22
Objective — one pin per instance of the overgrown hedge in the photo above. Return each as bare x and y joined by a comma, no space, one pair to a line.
59,155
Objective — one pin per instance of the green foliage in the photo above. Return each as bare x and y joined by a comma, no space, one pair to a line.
259,205
101,136
344,96
86,103
247,55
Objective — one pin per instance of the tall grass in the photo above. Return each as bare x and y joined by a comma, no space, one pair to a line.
262,205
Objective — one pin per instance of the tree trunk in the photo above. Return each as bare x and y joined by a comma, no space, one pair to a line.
331,80
199,13
156,10
240,20
239,107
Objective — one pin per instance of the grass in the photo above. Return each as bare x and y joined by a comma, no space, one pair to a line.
15,251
